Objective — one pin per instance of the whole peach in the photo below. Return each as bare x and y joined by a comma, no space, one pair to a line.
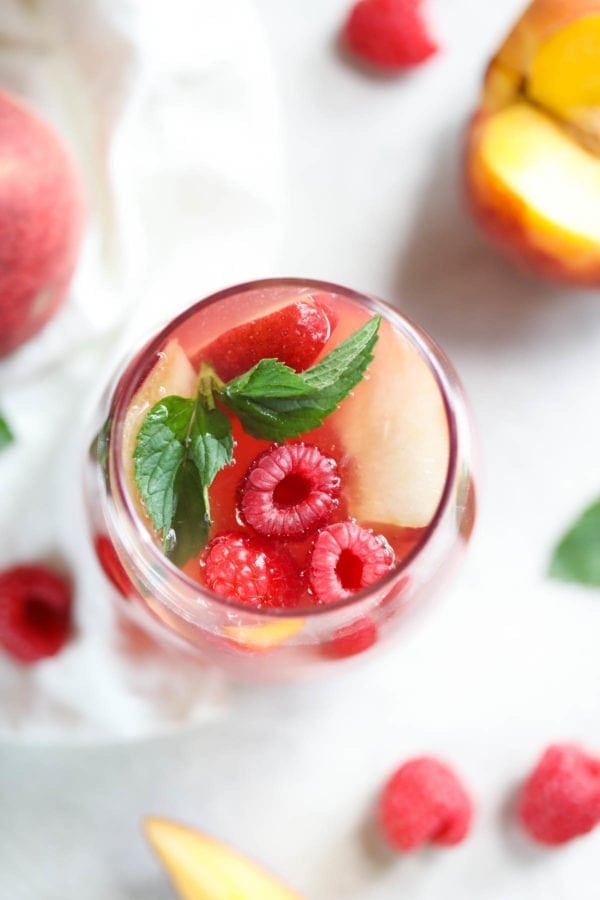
41,222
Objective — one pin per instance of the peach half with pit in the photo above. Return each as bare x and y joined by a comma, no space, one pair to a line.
532,162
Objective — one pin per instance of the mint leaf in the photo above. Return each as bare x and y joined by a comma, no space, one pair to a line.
6,435
275,418
577,556
159,453
268,378
348,360
274,403
342,369
211,445
191,520
179,449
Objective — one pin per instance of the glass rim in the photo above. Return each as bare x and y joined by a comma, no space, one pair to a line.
428,349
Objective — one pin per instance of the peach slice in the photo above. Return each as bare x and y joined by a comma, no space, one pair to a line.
263,637
202,868
395,432
565,74
523,152
172,374
533,148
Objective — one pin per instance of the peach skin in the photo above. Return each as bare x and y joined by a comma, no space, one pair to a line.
41,222
532,161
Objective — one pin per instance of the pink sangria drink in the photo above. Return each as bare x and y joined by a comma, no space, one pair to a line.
283,471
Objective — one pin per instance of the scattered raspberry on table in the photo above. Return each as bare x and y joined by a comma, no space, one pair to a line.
35,612
424,802
389,34
560,799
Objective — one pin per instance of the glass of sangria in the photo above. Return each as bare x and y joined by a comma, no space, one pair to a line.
279,476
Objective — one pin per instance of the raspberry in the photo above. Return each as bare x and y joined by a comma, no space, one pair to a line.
112,566
295,335
289,491
35,612
347,558
560,799
424,802
351,639
390,34
249,569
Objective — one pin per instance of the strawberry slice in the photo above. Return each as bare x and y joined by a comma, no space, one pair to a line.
295,335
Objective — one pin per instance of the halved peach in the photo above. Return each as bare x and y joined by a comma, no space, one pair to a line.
533,148
536,185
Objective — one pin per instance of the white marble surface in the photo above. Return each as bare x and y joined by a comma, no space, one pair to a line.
505,663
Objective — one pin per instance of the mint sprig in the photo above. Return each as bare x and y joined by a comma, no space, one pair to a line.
576,558
267,405
180,447
6,435
274,403
183,443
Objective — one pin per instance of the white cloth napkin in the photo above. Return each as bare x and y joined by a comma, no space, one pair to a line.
171,112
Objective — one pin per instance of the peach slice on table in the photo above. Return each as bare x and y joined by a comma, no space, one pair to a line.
395,432
533,146
172,373
202,868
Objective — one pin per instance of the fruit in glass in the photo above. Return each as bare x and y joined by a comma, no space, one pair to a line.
302,545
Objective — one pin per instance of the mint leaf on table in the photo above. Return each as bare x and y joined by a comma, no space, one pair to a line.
577,556
6,435
273,402
179,449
